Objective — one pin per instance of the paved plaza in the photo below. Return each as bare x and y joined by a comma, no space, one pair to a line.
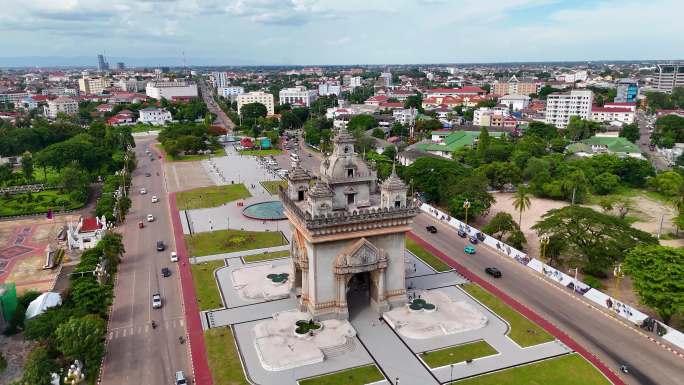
230,169
375,342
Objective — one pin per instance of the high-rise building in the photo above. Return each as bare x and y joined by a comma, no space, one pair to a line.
102,64
220,79
325,89
387,77
669,77
231,92
354,82
561,106
120,66
627,91
256,97
61,105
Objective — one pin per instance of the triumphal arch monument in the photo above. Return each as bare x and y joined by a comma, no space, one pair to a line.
347,234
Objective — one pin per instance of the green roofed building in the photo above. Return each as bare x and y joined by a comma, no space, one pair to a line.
604,145
444,143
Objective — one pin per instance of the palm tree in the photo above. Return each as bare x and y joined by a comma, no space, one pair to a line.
521,202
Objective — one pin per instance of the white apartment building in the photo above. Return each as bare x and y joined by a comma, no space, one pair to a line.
613,114
256,97
577,76
154,116
62,104
220,79
669,77
561,106
515,102
231,92
405,116
130,85
92,85
387,78
297,96
171,90
354,81
13,97
326,89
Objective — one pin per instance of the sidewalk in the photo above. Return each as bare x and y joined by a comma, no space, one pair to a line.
238,254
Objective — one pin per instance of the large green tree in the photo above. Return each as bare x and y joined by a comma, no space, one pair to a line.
630,132
500,225
592,239
658,276
83,339
38,367
27,165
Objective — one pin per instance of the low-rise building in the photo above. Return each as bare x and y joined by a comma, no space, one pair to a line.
451,141
515,102
171,90
627,91
123,118
516,87
61,105
325,89
154,116
92,85
490,117
231,92
612,114
605,144
256,97
297,96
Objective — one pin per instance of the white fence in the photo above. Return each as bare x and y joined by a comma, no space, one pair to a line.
621,309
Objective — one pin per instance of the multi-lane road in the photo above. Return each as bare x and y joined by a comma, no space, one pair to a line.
137,353
612,342
221,116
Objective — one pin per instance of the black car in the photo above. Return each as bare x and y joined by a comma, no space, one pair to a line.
493,271
431,229
462,233
165,272
160,246
148,174
473,239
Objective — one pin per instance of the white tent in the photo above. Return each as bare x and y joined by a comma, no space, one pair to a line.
42,303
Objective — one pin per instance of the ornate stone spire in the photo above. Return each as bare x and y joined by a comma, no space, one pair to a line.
321,190
393,182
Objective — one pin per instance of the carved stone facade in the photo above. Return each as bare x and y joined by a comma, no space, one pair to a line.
343,228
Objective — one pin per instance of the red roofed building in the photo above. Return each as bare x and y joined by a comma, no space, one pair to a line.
391,105
102,108
123,118
246,143
632,106
376,100
86,233
623,115
455,91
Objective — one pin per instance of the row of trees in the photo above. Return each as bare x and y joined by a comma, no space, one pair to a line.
76,329
187,138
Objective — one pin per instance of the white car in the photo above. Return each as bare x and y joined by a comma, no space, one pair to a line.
174,256
156,301
150,218
155,199
143,191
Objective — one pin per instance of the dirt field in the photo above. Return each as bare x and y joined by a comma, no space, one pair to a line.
22,251
185,176
647,210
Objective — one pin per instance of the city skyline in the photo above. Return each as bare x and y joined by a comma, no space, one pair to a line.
300,32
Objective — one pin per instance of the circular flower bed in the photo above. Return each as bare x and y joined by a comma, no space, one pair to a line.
304,327
419,304
278,278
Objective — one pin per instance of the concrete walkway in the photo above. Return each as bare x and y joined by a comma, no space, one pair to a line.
238,254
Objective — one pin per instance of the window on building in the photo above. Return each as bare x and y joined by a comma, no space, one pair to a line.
397,204
350,199
300,195
350,172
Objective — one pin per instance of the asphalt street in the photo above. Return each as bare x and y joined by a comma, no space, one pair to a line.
136,352
221,116
611,341
656,159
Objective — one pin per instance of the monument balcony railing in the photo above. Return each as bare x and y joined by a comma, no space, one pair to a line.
366,177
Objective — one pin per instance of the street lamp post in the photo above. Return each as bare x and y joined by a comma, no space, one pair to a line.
466,206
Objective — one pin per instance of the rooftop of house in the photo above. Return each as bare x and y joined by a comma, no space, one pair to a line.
616,145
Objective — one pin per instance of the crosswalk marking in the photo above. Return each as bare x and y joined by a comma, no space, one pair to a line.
143,329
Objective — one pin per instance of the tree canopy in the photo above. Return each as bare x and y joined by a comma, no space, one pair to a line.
658,276
592,239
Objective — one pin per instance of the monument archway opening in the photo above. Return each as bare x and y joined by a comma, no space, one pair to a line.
358,292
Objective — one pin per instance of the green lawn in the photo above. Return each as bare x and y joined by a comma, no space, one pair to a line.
523,331
625,192
272,185
265,256
273,151
355,376
189,158
459,353
224,363
211,196
566,370
206,290
228,241
145,127
36,203
426,256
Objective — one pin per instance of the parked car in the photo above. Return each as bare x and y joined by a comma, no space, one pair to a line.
431,229
160,246
174,256
462,233
469,249
143,191
493,271
166,272
155,199
150,218
156,301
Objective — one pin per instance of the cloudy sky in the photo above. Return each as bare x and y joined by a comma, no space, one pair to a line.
343,31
